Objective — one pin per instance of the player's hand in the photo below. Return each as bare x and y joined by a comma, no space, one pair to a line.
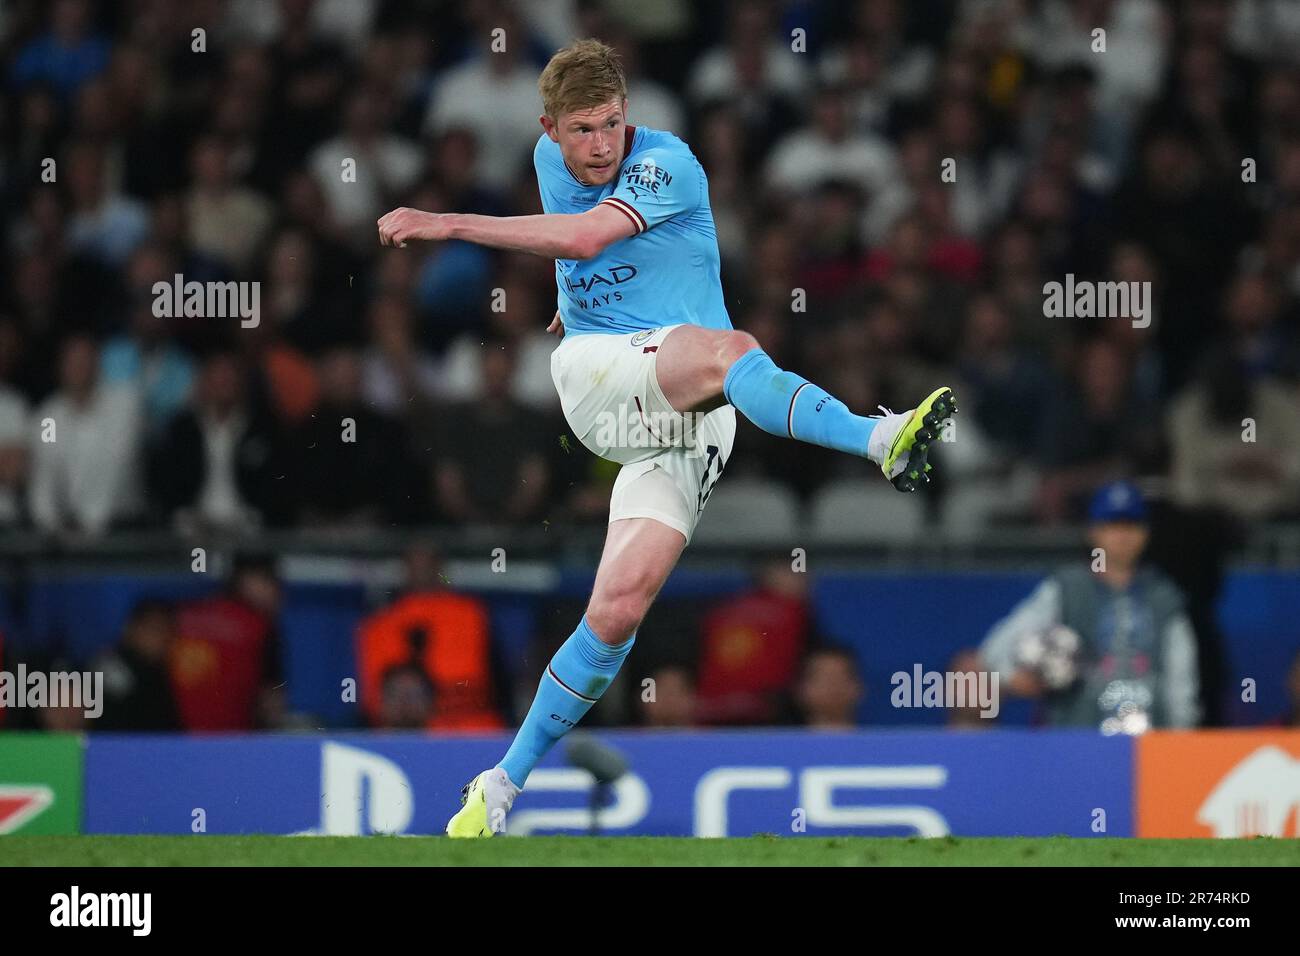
556,326
404,223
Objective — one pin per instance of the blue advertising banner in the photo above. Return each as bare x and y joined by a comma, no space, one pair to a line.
790,783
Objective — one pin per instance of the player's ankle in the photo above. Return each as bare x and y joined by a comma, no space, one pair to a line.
882,436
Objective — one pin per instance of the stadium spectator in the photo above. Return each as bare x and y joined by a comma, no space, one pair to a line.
453,283
830,219
888,339
971,716
169,230
1003,387
656,105
983,190
1235,442
398,377
227,220
753,67
521,321
351,462
364,166
68,55
341,21
138,693
1265,29
587,480
857,65
751,646
1131,262
308,72
300,308
84,471
407,698
285,379
1176,209
34,134
721,145
306,211
1014,268
453,160
103,226
495,95
493,466
219,464
1106,644
144,357
1130,75
830,689
907,65
15,423
1094,428
442,634
226,664
1256,334
238,118
831,149
674,703
63,714
923,274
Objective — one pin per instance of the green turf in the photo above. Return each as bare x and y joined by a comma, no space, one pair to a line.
636,851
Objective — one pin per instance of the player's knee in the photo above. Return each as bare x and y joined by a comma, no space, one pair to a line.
616,617
732,346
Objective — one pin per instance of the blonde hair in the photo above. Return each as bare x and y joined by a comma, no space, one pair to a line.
585,74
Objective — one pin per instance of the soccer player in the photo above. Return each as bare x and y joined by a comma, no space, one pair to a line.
649,371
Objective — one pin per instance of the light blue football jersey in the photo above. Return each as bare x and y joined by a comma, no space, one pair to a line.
669,271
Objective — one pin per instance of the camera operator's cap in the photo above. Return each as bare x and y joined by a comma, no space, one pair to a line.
1118,501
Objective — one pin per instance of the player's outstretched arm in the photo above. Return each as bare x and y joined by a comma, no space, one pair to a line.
554,235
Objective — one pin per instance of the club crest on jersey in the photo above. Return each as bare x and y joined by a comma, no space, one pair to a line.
641,338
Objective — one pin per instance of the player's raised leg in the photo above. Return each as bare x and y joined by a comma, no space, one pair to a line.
699,369
639,555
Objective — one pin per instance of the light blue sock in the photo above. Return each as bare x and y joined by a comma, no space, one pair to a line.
783,403
574,680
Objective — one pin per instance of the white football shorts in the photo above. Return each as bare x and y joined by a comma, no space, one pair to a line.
612,401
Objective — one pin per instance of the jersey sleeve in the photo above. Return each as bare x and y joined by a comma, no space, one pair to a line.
546,168
657,185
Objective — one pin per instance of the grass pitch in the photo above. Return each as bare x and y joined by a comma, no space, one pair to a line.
637,851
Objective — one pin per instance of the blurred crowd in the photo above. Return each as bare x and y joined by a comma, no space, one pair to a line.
432,657
259,140
216,663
